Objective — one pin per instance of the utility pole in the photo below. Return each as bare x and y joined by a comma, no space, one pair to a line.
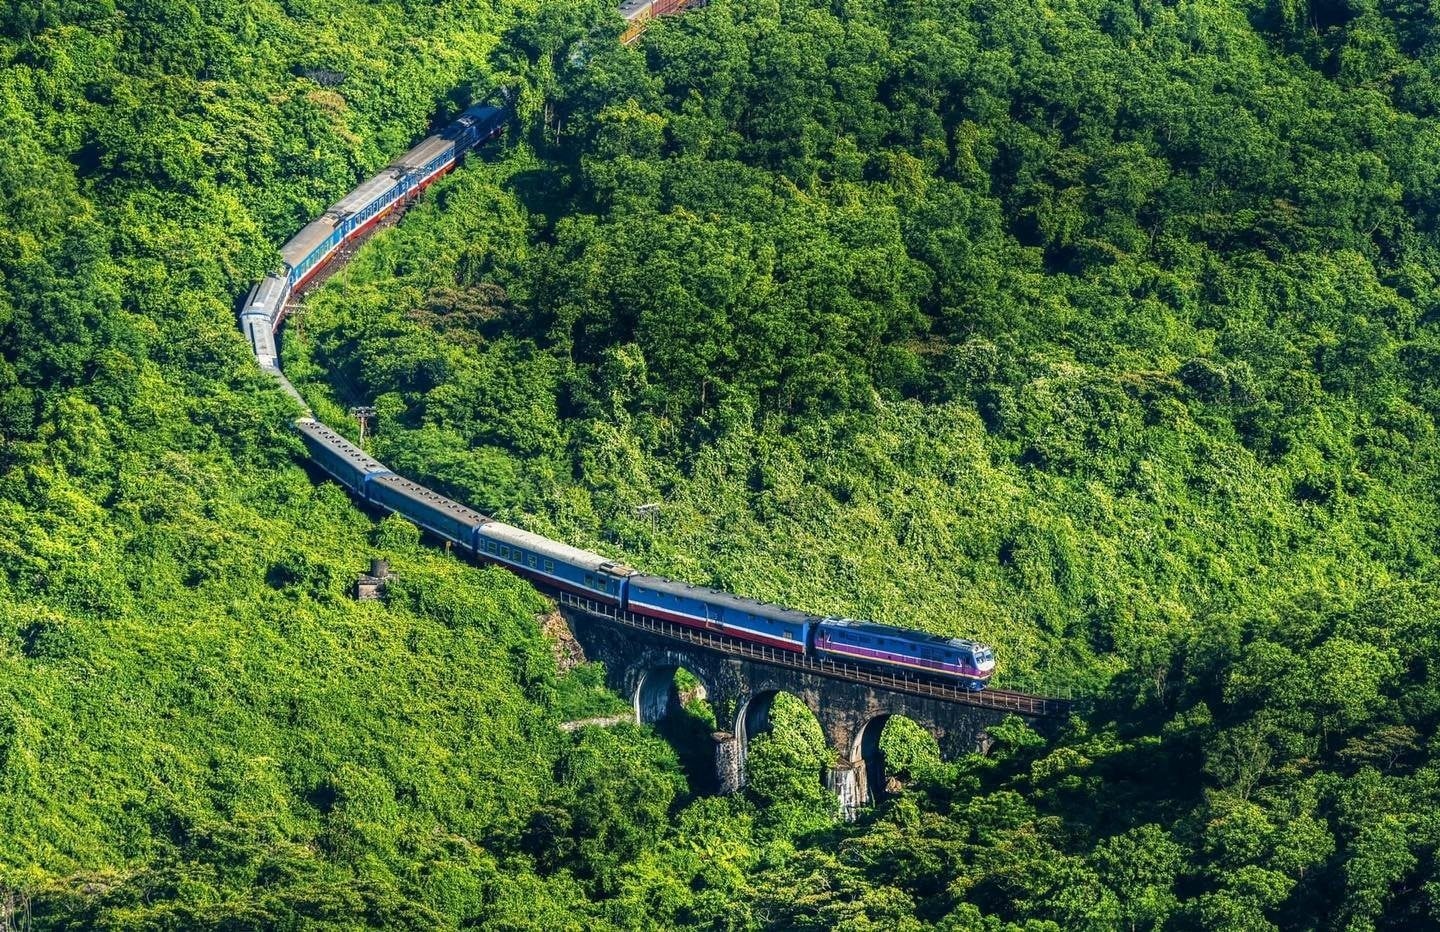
651,511
363,414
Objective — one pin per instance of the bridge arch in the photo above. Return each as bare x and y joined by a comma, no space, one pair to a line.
640,665
753,718
890,743
654,683
866,751
752,713
656,697
651,698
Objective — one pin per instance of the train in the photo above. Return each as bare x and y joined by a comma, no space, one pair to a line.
551,564
310,250
554,565
350,218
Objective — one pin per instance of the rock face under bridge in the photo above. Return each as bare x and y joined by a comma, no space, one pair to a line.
642,666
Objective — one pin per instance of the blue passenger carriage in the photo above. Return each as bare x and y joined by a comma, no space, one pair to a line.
307,250
432,511
351,466
363,207
721,612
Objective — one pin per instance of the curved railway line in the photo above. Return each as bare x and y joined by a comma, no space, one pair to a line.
327,243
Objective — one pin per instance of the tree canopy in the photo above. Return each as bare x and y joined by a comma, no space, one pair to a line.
1103,331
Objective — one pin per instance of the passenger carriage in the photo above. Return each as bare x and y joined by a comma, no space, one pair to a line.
552,563
720,612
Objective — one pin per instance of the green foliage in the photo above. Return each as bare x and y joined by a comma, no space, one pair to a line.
1102,332
783,768
581,694
610,802
908,750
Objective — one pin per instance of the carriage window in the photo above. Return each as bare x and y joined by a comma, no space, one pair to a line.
549,566
530,559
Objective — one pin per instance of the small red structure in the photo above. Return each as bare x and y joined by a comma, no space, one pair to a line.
639,13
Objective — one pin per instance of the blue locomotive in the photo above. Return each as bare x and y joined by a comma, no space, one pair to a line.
866,642
549,563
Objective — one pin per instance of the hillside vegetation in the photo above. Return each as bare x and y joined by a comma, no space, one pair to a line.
1105,331
198,727
1078,330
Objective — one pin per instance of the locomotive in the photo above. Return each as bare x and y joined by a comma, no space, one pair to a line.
549,563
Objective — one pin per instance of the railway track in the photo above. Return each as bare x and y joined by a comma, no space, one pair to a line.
999,699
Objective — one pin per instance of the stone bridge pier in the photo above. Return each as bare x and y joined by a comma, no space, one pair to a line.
642,666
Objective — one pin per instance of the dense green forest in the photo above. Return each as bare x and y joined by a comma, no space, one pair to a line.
1076,330
1104,330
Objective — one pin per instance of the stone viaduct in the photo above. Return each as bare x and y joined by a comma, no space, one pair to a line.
641,665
